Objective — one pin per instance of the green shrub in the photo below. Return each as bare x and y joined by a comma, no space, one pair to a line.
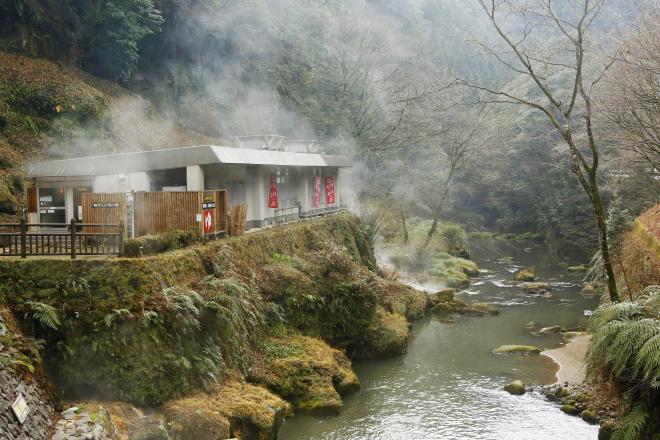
154,244
8,202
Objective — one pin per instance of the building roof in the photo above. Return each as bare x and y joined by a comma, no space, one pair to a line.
178,158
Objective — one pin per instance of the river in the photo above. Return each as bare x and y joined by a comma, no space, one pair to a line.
449,385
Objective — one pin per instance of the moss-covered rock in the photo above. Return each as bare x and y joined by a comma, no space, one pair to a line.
607,429
526,274
442,296
232,409
157,327
588,290
388,335
535,288
517,349
479,309
588,416
517,388
305,371
569,409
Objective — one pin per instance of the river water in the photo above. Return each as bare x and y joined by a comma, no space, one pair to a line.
449,385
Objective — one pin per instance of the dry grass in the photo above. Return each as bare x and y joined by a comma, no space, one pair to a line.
640,254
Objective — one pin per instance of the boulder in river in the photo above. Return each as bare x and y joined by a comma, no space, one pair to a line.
526,274
479,309
569,409
554,329
588,416
442,296
517,349
577,268
517,388
588,290
535,288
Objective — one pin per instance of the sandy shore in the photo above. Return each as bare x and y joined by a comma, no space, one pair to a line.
570,359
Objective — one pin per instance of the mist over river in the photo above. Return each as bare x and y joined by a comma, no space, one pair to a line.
449,385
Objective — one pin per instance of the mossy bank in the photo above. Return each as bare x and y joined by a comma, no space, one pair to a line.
152,330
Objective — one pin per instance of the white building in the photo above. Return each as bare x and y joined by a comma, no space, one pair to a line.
297,170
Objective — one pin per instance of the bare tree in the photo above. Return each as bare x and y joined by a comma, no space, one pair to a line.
634,103
457,147
572,113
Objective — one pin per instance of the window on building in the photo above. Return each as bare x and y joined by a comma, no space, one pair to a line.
51,205
284,175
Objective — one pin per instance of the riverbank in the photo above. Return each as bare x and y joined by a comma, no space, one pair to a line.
571,359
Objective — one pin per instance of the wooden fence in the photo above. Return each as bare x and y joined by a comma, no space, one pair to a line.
158,212
64,239
103,208
237,219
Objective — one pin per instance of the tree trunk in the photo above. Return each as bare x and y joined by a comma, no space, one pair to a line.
404,226
601,220
436,213
434,226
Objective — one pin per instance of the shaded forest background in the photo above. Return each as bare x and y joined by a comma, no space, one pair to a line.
380,80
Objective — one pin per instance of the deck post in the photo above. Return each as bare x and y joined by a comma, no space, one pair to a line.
120,249
73,238
23,237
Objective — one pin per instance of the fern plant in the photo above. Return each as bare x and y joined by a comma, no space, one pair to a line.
632,424
626,345
45,314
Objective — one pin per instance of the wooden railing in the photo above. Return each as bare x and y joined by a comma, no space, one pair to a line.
72,239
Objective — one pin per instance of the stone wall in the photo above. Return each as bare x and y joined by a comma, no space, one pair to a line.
38,422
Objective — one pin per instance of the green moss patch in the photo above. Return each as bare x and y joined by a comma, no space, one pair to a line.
232,410
150,329
304,370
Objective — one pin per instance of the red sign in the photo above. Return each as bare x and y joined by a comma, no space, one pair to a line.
208,222
316,201
273,200
330,190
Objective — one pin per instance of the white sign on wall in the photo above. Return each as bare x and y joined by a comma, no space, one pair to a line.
20,408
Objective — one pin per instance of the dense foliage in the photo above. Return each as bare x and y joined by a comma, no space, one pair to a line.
373,79
626,346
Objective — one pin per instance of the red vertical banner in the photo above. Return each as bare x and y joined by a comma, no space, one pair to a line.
208,222
316,201
330,190
273,199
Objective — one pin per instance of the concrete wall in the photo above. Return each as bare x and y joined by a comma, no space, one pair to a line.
115,183
229,177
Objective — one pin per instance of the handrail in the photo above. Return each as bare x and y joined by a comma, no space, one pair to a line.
64,225
71,239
